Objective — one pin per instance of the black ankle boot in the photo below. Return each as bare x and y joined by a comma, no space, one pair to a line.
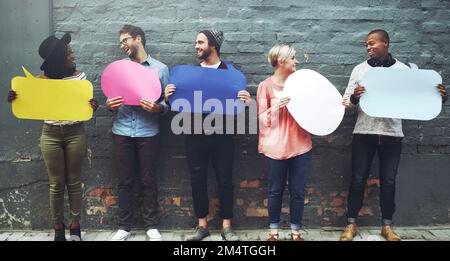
75,234
60,233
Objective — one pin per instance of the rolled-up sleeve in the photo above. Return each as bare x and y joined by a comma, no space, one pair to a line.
352,83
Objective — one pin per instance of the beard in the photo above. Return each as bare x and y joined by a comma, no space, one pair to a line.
133,52
205,55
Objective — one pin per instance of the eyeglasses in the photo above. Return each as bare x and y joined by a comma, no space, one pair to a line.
125,40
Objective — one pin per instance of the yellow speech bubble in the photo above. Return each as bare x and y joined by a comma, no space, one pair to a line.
49,99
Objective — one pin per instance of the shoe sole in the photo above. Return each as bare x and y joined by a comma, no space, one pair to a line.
147,238
122,239
74,238
345,239
195,239
224,239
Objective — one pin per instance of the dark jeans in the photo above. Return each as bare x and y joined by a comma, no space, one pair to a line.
136,159
364,148
296,169
220,149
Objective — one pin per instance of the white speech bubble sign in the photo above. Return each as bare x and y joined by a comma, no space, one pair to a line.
401,93
315,103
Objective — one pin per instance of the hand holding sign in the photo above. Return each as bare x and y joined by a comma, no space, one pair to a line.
401,93
12,95
315,103
131,81
49,99
114,103
280,102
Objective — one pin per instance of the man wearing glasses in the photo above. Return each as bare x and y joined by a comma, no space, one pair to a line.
136,141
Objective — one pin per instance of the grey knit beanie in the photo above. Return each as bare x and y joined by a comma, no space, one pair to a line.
215,37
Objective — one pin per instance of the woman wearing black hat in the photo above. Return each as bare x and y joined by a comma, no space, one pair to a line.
63,143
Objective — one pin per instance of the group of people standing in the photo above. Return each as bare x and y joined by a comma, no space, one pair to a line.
286,146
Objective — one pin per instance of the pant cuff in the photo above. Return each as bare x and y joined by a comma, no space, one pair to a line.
351,220
274,225
150,227
387,221
125,228
295,227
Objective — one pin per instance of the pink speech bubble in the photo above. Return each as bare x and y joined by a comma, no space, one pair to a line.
132,81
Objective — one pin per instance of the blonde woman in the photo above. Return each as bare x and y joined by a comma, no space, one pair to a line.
285,145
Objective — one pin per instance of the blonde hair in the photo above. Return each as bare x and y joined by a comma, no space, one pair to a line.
280,53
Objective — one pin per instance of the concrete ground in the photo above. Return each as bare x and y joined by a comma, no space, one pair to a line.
434,233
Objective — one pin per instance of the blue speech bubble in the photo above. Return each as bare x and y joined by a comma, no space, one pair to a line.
207,90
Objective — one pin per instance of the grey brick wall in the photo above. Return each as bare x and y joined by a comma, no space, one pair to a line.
328,36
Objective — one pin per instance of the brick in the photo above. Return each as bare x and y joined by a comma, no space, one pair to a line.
249,184
109,201
96,210
252,203
319,211
365,211
213,206
257,212
100,192
333,194
337,202
336,211
306,201
373,182
177,201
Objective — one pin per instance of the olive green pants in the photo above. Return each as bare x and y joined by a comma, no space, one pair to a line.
63,149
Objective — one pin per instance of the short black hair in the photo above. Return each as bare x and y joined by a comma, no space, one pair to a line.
134,31
384,35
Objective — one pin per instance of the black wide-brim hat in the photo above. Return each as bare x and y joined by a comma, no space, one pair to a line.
49,45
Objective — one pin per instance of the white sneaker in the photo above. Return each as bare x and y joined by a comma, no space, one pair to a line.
154,235
121,235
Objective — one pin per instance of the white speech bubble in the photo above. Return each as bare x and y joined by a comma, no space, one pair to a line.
401,93
315,103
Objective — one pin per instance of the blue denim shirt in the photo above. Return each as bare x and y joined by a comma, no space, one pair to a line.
133,121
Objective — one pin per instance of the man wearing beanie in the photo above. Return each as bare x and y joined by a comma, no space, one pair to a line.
215,39
200,148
